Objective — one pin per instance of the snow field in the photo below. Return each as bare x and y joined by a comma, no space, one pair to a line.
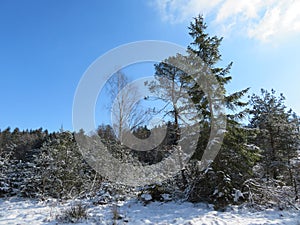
26,211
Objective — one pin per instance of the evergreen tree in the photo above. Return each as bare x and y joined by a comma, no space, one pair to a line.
234,146
278,134
236,157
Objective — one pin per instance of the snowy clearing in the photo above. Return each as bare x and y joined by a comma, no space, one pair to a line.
26,211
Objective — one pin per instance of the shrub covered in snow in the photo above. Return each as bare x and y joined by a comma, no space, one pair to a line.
57,169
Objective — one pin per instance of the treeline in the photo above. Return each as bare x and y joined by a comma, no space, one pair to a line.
259,161
156,155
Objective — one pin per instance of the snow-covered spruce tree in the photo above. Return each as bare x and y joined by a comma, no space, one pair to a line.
278,137
234,163
61,171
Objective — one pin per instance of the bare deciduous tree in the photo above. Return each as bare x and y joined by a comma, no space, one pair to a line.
126,112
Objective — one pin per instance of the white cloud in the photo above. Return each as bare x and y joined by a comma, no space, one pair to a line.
230,8
177,11
280,20
264,20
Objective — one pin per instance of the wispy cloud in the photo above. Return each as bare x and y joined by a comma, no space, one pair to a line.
264,20
177,11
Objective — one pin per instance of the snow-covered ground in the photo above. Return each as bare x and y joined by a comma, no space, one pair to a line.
25,211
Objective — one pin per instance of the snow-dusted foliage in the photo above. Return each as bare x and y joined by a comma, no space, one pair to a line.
162,192
57,169
212,187
16,176
61,170
262,193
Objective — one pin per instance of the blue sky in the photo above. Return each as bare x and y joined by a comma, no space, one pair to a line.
46,46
